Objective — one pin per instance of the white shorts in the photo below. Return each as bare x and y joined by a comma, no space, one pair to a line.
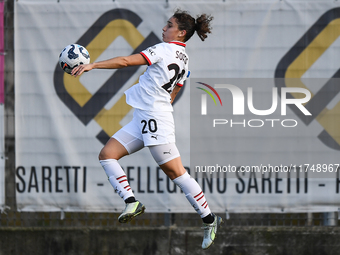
153,128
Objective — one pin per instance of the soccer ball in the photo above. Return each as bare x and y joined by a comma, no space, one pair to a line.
73,55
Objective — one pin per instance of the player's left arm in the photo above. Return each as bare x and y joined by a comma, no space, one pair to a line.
113,63
175,92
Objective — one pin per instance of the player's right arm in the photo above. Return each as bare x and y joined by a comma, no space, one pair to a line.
174,93
113,63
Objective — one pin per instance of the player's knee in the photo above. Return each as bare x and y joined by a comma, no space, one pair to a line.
110,153
101,155
170,173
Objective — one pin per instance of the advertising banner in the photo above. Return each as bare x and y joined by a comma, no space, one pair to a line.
272,48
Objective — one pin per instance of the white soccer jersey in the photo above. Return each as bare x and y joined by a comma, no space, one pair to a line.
168,67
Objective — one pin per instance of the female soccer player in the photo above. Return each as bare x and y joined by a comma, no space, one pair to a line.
153,124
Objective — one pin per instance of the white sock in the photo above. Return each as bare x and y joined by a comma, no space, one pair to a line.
193,193
117,178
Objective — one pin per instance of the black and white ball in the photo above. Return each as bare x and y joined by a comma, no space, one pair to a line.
73,55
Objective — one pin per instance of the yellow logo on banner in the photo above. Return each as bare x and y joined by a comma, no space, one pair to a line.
87,106
299,59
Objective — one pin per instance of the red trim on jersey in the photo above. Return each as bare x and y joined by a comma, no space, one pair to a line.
179,85
179,43
146,58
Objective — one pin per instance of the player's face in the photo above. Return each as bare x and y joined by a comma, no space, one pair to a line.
171,31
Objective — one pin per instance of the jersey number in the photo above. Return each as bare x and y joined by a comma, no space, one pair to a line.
177,76
152,125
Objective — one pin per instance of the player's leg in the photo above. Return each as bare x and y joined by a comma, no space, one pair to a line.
165,153
108,158
112,150
172,166
120,145
175,170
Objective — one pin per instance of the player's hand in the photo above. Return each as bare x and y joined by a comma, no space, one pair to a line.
80,69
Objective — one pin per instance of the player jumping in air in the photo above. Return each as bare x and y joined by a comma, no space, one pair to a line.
153,124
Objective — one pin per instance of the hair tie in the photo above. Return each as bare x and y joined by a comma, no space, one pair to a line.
196,26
